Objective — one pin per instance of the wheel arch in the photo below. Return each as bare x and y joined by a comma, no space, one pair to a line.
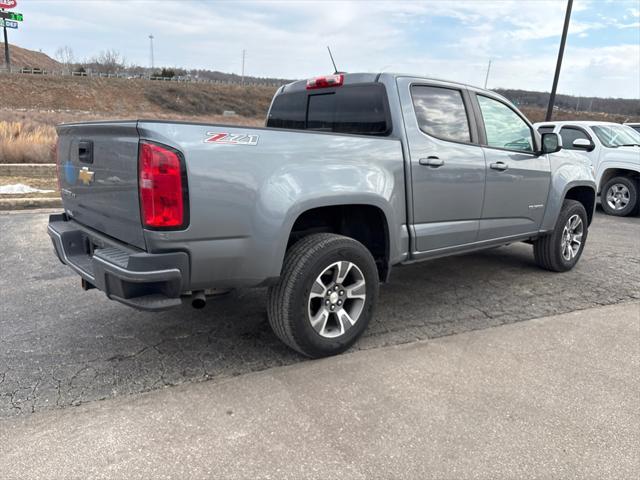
612,172
564,178
365,222
584,194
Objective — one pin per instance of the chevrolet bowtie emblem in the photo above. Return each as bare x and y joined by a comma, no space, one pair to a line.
85,175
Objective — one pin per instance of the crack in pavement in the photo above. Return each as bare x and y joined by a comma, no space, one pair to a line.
87,348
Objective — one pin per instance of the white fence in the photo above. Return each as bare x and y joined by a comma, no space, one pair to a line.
132,76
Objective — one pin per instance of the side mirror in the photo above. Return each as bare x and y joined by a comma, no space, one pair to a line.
551,143
583,144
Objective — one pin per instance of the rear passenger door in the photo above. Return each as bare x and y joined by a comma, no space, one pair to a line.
447,167
517,176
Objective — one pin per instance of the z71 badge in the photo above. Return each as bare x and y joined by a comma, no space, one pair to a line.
231,138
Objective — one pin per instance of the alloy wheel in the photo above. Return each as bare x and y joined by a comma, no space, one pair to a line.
572,237
618,196
337,299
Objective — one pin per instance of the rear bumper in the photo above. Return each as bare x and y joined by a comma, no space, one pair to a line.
147,281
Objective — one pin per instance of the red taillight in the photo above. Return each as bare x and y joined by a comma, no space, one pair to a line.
325,81
162,193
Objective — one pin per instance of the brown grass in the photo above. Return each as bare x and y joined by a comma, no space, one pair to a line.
27,136
26,142
535,114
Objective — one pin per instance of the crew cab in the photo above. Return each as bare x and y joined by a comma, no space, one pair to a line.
614,152
352,175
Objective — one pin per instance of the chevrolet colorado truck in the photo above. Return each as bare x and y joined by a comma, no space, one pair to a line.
614,152
352,174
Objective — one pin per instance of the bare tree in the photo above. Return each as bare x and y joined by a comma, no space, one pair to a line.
108,61
65,56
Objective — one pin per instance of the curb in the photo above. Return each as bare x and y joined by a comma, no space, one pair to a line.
28,203
39,170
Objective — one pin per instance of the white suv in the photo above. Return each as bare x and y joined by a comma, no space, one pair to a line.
635,126
614,152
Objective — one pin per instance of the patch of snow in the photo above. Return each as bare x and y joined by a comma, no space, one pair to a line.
20,188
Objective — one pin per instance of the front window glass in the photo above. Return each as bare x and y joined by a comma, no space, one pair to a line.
504,127
613,136
569,135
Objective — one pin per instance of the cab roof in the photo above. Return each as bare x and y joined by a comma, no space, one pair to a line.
584,123
364,77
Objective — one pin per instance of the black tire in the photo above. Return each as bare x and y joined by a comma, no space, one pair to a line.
548,250
289,301
632,188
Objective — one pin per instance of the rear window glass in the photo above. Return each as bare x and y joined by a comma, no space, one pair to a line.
441,112
288,111
357,109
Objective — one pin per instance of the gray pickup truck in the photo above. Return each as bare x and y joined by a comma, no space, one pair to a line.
353,173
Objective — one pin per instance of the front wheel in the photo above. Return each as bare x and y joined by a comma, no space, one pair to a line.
326,295
619,196
561,250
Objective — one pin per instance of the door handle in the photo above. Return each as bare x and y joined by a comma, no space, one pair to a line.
501,166
431,161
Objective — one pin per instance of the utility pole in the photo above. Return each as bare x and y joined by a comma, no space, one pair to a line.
244,54
486,79
563,41
7,59
151,50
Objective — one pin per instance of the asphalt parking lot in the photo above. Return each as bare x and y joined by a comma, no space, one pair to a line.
61,346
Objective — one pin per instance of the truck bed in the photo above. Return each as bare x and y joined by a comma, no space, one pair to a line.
246,187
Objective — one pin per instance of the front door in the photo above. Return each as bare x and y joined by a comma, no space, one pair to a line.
447,167
517,177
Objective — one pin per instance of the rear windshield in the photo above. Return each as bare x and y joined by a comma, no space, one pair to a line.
356,109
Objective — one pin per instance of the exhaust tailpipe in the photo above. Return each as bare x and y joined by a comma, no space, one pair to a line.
198,299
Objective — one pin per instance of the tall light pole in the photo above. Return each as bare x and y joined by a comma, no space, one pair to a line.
563,41
486,79
244,54
151,50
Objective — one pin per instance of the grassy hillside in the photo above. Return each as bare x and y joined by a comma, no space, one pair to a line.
24,58
33,104
116,96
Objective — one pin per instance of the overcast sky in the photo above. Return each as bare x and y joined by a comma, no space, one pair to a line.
287,39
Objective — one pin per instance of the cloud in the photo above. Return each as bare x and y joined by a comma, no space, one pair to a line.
453,39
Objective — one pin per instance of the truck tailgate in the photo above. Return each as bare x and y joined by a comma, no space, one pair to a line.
98,172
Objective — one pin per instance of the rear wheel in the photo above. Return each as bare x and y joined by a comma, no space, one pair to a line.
326,295
561,249
619,196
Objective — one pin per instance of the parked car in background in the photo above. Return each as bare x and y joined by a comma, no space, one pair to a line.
355,173
635,126
614,152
